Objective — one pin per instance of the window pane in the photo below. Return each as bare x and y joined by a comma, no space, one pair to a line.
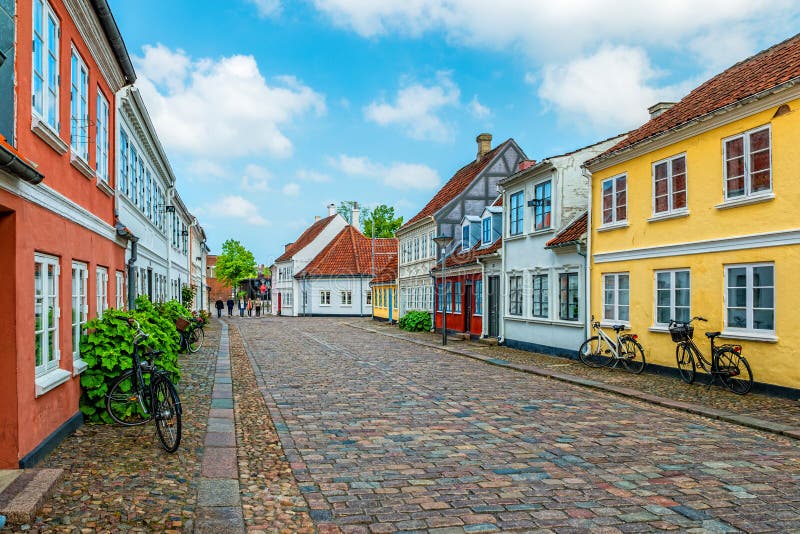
763,298
734,167
679,200
623,313
735,187
661,171
663,315
623,281
763,276
623,297
682,298
737,277
661,187
662,297
682,279
679,165
734,148
662,280
737,317
737,297
759,161
760,181
682,314
759,140
764,319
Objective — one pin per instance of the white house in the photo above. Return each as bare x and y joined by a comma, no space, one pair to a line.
296,256
544,253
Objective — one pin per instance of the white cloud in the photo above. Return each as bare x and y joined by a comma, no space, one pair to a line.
415,109
477,109
237,207
255,178
266,8
313,176
398,175
291,189
207,168
223,106
610,89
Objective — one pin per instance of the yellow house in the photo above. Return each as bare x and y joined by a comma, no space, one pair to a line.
697,213
384,293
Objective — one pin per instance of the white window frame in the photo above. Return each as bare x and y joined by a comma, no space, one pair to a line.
519,223
50,362
577,275
749,329
346,297
671,209
544,293
615,303
324,297
745,136
520,291
614,220
101,135
478,296
46,107
101,290
457,286
120,277
672,300
80,304
465,229
79,106
549,206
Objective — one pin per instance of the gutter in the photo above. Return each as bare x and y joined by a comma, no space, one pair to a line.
18,167
110,28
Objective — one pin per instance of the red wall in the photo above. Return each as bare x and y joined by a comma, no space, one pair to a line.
456,321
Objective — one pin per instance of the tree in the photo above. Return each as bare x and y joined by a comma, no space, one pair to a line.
235,263
345,209
384,220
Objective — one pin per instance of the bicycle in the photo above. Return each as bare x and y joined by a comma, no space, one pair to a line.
144,393
602,351
191,334
727,363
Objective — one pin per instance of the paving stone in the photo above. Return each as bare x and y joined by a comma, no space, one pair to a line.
218,519
218,492
222,403
219,462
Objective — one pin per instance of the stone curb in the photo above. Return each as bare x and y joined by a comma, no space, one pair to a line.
695,409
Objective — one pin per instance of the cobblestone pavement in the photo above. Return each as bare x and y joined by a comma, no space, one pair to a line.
768,408
385,435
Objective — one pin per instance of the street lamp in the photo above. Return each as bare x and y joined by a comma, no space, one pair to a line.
443,241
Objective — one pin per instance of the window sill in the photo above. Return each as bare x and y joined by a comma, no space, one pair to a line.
79,366
750,336
48,135
79,163
541,232
661,329
669,215
515,237
103,186
610,324
745,201
545,321
51,380
612,226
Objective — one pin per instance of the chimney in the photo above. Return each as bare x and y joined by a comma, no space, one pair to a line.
287,245
316,218
657,109
331,209
355,218
526,164
484,141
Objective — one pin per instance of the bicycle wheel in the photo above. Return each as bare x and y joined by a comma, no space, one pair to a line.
632,355
167,410
594,352
734,371
686,366
195,340
127,401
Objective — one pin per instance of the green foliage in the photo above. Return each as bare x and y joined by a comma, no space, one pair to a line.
107,349
205,315
416,321
386,224
171,310
235,263
187,294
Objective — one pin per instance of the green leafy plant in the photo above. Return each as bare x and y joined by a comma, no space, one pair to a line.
187,294
172,309
205,316
235,263
107,349
415,321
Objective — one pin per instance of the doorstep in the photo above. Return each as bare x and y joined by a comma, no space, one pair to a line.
22,492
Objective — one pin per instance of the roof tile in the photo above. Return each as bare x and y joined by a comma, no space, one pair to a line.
350,253
305,238
571,233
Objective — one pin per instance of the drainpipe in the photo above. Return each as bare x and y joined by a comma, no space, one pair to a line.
123,231
361,294
587,327
18,167
501,322
170,230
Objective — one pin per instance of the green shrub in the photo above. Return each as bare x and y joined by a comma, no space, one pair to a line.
107,349
415,321
171,310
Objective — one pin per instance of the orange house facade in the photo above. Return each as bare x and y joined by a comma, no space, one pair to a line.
62,250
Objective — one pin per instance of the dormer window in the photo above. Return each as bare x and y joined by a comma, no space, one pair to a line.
486,238
541,206
465,241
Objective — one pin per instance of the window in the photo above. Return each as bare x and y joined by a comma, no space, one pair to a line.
46,313
324,298
457,307
424,246
80,305
46,33
102,290
515,295
486,224
432,245
673,294
347,298
568,299
669,185
541,304
134,163
449,297
416,248
465,237
516,217
748,163
148,188
102,137
140,190
369,298
750,297
79,110
541,206
615,200
121,290
123,162
479,297
616,297
440,303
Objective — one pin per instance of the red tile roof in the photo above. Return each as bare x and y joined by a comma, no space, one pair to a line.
571,233
459,258
765,70
350,254
305,238
388,273
460,180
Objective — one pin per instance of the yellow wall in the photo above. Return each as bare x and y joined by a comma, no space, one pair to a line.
380,295
772,362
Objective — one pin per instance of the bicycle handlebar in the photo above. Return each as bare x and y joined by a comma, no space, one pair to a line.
140,334
674,322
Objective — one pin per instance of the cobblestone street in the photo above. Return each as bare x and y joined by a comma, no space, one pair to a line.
386,435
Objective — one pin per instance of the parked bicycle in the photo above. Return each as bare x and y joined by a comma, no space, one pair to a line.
603,351
727,363
191,333
144,393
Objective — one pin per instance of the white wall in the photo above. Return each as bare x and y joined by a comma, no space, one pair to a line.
358,288
414,275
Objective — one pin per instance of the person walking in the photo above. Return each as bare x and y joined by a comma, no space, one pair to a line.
230,307
242,305
258,307
249,307
219,305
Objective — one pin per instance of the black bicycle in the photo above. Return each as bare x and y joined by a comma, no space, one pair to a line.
191,334
144,393
727,363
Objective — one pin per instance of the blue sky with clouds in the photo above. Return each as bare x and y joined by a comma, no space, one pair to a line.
272,109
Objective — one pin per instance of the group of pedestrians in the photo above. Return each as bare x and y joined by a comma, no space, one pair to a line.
245,305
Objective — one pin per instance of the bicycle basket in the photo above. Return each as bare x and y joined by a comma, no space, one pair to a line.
681,333
181,324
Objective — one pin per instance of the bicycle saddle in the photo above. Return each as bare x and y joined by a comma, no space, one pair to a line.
618,327
712,335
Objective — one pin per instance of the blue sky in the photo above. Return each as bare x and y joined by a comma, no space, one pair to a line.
272,109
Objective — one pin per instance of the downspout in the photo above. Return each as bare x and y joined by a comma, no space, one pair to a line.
123,231
474,295
361,295
501,322
587,327
170,199
435,299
